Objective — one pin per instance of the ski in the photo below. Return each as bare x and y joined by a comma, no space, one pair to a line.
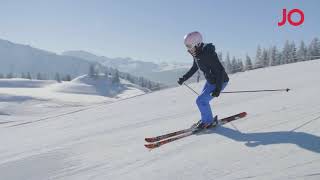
160,143
167,138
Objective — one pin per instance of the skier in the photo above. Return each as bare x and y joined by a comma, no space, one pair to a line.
205,58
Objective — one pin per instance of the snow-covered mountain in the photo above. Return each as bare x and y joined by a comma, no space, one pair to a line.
279,139
17,58
163,72
123,64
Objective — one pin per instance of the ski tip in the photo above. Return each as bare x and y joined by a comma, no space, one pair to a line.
150,146
243,114
149,140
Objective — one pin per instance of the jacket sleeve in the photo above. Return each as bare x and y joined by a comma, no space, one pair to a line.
218,68
192,70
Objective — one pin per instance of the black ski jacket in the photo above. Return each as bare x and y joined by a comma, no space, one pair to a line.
208,62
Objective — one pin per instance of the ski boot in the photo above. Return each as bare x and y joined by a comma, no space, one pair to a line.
201,125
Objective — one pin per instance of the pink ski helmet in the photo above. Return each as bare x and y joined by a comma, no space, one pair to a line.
192,39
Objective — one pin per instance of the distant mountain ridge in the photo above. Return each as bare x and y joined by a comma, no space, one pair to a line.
123,64
162,72
17,58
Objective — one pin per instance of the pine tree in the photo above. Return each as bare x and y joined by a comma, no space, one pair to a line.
314,49
142,82
10,75
57,78
302,52
116,77
67,78
293,53
129,78
248,64
317,47
309,52
156,87
265,58
286,53
228,64
273,56
258,59
23,76
29,76
39,76
149,85
234,63
92,71
44,76
106,73
278,57
240,65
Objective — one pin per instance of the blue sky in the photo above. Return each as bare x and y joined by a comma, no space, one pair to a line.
153,30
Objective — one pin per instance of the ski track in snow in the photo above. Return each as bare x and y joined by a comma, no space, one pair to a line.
279,138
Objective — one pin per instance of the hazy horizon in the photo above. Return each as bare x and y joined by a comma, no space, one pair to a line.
153,31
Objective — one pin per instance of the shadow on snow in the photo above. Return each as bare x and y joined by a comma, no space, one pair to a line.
304,140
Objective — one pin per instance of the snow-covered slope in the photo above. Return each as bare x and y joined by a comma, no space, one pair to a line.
22,99
279,139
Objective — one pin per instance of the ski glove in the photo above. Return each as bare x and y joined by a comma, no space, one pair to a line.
181,81
216,92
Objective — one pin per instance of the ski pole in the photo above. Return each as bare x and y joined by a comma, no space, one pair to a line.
229,92
191,89
264,90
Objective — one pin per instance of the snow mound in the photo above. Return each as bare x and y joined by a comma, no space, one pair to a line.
23,99
99,85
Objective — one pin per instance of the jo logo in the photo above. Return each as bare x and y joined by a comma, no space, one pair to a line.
289,17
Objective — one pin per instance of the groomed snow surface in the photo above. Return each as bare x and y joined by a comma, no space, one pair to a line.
279,139
25,100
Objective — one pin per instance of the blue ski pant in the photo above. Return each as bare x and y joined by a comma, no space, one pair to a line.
204,99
